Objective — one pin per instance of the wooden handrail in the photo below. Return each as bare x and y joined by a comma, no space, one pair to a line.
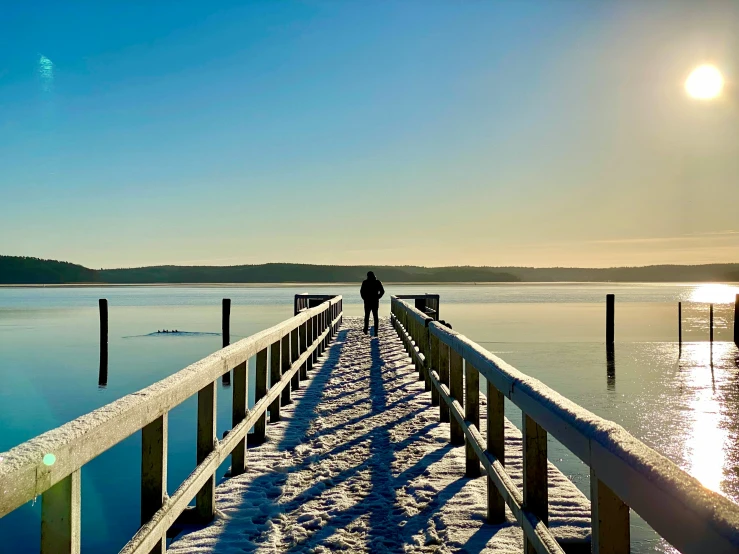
50,463
624,471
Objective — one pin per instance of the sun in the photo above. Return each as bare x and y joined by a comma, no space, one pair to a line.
704,83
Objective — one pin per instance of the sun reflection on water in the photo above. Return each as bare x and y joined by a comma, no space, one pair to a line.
714,293
708,438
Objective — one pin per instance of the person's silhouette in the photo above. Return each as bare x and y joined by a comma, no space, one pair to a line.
371,293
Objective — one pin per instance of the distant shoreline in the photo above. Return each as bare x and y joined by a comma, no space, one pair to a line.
356,283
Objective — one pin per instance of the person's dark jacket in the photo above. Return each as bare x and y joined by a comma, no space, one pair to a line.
371,291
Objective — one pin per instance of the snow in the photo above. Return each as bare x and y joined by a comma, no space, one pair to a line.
360,463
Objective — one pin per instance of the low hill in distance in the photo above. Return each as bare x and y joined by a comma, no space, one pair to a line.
17,270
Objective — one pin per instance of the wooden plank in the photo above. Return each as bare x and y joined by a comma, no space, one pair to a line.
205,500
472,415
456,435
310,338
535,474
610,520
534,529
238,413
260,390
496,447
275,372
304,348
444,378
60,517
294,354
226,334
285,366
23,474
434,365
154,473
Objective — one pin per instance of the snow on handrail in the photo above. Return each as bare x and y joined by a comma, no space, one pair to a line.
53,459
689,516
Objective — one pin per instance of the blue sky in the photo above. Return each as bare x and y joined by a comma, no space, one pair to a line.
434,133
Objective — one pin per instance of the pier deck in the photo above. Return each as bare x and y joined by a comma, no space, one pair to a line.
360,462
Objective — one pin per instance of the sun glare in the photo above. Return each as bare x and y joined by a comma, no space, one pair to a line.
704,83
714,293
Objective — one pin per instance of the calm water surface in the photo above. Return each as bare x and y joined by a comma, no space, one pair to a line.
683,405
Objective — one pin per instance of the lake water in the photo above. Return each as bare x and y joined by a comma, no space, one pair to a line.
683,405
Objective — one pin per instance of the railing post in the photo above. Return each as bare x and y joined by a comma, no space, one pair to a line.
205,501
610,519
456,388
60,517
226,334
238,413
427,358
303,347
154,473
434,364
471,414
260,390
294,355
444,378
496,446
274,378
535,478
314,336
285,366
309,342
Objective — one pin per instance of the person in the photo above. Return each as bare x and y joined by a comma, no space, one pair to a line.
371,293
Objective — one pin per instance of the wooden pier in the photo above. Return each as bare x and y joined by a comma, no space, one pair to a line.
423,365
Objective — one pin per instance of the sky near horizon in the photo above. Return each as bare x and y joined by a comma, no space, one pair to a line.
538,133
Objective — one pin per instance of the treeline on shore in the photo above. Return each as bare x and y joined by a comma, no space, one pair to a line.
18,270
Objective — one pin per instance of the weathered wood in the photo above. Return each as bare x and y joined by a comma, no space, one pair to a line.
736,320
444,377
610,520
304,348
610,318
260,390
472,415
154,473
496,447
310,338
275,373
535,476
284,367
60,517
226,334
294,354
238,413
205,500
426,350
710,326
456,387
434,365
103,368
313,336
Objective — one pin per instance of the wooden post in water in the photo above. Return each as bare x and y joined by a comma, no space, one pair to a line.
226,332
710,334
680,326
103,371
736,320
610,309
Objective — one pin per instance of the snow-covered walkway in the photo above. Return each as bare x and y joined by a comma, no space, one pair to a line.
361,463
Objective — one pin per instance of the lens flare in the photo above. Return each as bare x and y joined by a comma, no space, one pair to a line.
704,83
46,72
49,459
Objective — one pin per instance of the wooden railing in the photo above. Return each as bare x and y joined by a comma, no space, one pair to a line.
50,464
624,472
